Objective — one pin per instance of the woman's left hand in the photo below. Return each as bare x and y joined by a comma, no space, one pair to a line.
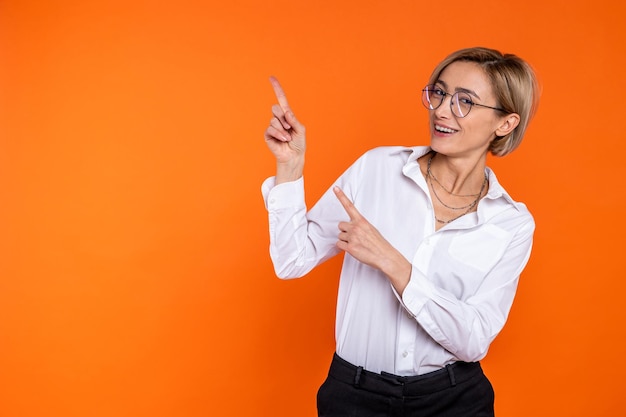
365,243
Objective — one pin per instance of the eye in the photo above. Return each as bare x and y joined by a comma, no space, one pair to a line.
439,92
464,99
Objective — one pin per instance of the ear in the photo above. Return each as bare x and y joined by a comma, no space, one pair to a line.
507,124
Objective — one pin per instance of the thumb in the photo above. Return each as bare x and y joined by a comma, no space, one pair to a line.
298,128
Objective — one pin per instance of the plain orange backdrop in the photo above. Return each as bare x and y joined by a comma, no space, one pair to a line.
135,278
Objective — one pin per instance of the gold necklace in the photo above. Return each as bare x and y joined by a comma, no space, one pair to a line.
430,174
469,207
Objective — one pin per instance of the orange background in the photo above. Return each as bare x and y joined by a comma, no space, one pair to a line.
134,265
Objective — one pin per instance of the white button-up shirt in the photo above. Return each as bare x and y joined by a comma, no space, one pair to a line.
463,279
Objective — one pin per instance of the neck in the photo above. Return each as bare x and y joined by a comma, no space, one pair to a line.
456,175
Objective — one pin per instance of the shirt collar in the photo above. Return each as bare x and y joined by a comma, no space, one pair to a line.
495,189
496,200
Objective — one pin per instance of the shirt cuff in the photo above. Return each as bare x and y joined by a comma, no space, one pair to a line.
286,194
417,293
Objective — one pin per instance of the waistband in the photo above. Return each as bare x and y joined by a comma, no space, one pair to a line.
403,386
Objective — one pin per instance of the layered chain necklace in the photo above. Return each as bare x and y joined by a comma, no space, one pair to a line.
467,208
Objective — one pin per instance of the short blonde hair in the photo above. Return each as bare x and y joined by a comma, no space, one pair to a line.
514,84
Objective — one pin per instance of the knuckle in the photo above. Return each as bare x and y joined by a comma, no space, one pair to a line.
277,111
275,123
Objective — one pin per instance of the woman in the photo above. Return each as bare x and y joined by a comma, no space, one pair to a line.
433,244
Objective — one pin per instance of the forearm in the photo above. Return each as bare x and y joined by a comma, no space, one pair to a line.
299,240
464,325
466,330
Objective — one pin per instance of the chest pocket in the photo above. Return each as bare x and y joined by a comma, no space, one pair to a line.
480,249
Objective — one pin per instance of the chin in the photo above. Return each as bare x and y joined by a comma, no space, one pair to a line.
440,146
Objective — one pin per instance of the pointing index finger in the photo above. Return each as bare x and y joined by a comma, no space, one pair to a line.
280,94
346,203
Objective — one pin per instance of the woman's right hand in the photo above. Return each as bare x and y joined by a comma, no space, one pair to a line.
285,138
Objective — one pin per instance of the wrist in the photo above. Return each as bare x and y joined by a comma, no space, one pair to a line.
398,271
289,170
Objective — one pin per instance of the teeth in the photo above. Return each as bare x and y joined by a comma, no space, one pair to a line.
444,129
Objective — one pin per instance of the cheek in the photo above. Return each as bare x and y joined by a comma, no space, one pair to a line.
480,127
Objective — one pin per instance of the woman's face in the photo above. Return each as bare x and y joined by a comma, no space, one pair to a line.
471,135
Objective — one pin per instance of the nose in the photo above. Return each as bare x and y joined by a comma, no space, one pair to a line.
445,108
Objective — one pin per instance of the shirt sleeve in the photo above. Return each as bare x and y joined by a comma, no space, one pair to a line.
467,327
300,240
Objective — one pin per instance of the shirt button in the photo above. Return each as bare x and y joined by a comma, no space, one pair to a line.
405,354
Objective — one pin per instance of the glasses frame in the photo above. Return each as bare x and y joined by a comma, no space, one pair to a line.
445,94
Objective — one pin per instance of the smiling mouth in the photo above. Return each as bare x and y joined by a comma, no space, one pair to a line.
444,129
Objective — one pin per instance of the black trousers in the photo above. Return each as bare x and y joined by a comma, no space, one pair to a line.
459,390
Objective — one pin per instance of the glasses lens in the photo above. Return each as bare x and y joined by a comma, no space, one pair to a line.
432,97
461,104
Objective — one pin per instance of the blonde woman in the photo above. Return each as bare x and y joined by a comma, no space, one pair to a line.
434,246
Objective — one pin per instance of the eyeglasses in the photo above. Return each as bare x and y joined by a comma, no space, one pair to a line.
461,103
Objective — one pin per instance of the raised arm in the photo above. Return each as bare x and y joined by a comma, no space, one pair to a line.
285,138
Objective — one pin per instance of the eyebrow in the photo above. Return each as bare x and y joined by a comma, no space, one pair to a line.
459,89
